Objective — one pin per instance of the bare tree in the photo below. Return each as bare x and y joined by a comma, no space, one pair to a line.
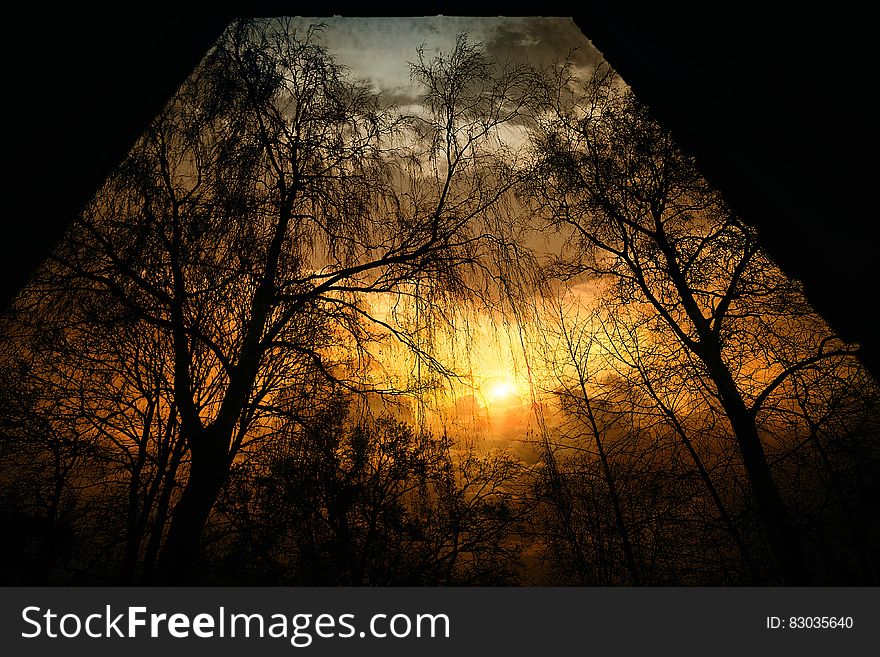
578,399
264,205
641,216
354,500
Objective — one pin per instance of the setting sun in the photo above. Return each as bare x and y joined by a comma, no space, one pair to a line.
372,303
500,389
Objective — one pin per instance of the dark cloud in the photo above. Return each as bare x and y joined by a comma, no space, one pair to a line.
540,40
400,96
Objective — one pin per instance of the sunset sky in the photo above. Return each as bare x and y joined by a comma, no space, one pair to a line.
424,302
378,49
494,398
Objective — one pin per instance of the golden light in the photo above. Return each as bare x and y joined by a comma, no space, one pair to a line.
500,390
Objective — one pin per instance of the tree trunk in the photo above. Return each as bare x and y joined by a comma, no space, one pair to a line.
166,482
704,475
782,534
209,469
562,504
619,522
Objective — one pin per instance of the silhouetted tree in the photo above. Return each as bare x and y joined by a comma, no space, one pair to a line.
641,216
624,506
371,502
597,420
90,382
233,353
41,461
256,213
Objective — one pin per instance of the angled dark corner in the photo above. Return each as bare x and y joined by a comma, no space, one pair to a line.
774,106
361,301
83,89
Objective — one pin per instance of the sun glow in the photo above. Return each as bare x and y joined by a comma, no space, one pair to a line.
500,390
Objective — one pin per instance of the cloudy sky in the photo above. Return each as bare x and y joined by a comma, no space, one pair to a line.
379,48
498,406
